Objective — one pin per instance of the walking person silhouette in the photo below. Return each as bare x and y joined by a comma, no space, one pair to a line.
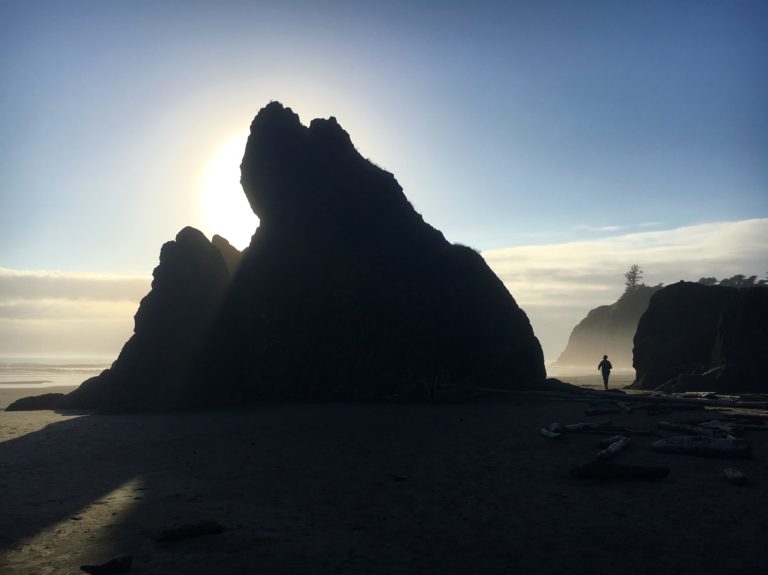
605,366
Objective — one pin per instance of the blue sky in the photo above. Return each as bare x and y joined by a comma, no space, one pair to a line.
508,124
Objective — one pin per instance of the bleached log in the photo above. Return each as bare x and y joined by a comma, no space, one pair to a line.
724,448
549,434
612,449
608,441
734,476
588,425
690,429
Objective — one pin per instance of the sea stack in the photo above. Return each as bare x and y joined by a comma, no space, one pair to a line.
703,338
344,293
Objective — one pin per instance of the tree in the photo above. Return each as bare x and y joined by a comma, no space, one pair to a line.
633,277
708,281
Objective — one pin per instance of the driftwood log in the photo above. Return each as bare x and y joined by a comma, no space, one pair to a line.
734,476
689,429
718,447
600,466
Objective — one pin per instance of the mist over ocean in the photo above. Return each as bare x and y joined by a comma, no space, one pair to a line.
39,372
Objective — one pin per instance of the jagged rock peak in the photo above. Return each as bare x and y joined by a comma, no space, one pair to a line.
295,175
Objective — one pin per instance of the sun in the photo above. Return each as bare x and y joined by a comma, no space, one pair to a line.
225,208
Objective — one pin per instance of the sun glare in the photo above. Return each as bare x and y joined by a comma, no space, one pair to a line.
225,208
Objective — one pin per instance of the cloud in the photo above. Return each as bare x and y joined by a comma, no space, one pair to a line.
587,228
33,285
47,313
558,284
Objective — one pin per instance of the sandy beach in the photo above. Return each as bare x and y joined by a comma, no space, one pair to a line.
365,488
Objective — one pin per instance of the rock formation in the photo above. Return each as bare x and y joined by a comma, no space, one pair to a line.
344,292
232,256
703,338
608,329
170,327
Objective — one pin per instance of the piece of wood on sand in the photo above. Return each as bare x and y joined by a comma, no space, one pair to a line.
552,431
588,425
734,476
599,467
688,429
718,447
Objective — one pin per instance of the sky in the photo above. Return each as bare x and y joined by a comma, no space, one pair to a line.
564,140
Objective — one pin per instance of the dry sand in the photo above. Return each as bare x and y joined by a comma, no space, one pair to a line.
365,488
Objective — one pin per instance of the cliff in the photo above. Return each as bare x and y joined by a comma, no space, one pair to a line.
608,330
703,338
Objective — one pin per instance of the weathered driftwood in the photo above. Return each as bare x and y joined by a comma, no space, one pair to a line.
609,440
689,429
724,448
734,476
758,419
588,425
606,428
727,428
612,449
599,467
555,427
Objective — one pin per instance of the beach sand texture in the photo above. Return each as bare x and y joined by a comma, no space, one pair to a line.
365,488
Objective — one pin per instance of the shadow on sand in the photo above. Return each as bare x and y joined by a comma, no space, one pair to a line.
358,488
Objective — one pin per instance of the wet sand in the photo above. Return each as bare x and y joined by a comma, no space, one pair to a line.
364,488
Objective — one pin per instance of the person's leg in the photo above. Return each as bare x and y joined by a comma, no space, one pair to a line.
605,379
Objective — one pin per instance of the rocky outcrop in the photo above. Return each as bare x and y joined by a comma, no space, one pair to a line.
608,329
741,343
344,293
232,256
702,338
170,328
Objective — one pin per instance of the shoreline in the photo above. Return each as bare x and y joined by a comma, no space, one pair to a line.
365,488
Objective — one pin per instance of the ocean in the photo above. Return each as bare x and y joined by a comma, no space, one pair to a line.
35,373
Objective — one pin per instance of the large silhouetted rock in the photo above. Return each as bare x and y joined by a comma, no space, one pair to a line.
345,292
741,344
232,256
608,329
154,365
708,338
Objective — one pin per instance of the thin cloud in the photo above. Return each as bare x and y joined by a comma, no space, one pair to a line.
587,228
33,285
47,313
